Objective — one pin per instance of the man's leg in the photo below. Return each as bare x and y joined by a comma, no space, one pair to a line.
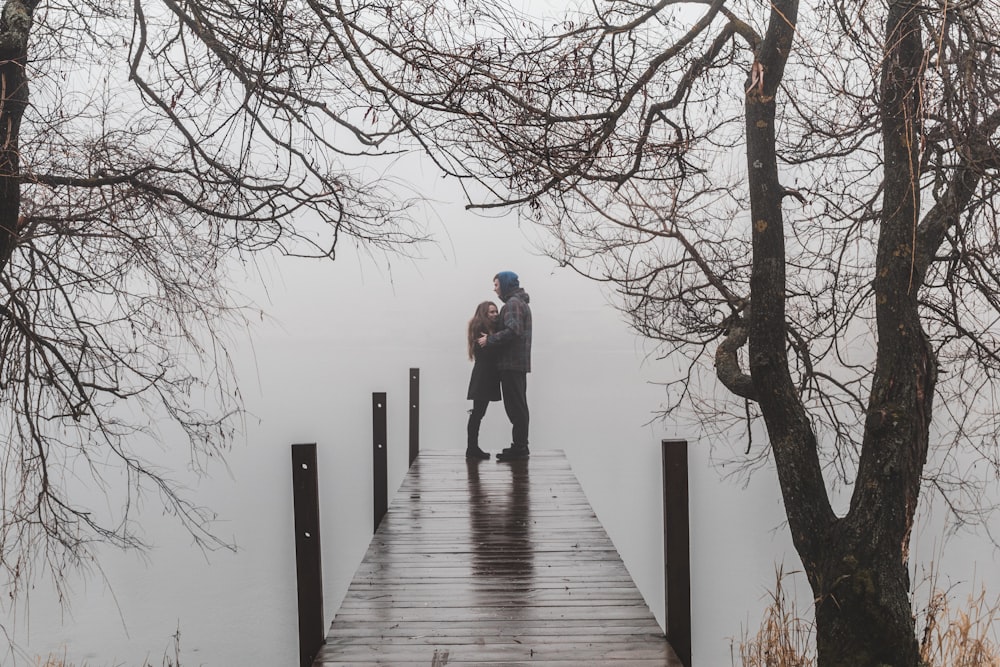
514,385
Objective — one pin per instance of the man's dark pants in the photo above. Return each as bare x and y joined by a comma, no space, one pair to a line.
514,386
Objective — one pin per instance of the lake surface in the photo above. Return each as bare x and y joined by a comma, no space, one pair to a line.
335,333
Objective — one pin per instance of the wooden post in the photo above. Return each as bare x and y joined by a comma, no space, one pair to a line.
308,560
414,414
380,486
677,548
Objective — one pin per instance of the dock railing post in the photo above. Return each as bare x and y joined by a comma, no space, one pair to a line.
414,414
308,558
380,485
677,548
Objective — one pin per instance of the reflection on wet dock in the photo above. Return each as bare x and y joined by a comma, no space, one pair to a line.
486,563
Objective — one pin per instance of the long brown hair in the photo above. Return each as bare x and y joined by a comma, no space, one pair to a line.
480,324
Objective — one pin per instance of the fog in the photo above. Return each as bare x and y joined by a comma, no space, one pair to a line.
327,335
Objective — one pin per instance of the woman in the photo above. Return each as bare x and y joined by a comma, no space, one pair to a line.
484,385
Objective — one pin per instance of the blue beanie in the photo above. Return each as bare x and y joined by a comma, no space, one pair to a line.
508,282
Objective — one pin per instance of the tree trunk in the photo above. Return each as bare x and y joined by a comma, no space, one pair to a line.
861,581
856,565
15,27
863,613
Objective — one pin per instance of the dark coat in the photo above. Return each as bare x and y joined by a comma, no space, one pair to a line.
514,337
484,385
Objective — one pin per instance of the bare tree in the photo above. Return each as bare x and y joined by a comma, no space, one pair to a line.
803,199
146,149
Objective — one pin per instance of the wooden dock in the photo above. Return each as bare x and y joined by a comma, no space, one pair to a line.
487,563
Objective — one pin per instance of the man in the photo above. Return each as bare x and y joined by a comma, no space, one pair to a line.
513,339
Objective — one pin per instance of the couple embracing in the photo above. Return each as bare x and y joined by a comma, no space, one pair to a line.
500,345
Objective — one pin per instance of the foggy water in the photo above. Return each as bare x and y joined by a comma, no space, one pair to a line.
342,331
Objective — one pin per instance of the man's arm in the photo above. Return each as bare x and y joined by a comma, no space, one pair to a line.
512,324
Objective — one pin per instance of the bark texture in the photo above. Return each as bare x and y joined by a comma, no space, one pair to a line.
856,565
15,26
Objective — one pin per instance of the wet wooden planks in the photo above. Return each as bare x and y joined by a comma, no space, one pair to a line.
486,563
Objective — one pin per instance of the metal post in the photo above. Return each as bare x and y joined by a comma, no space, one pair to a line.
380,486
414,414
308,560
677,548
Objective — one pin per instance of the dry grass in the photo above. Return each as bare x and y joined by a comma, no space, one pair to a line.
960,637
167,660
953,636
53,661
785,638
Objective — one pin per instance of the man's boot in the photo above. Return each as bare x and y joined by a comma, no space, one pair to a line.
513,453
